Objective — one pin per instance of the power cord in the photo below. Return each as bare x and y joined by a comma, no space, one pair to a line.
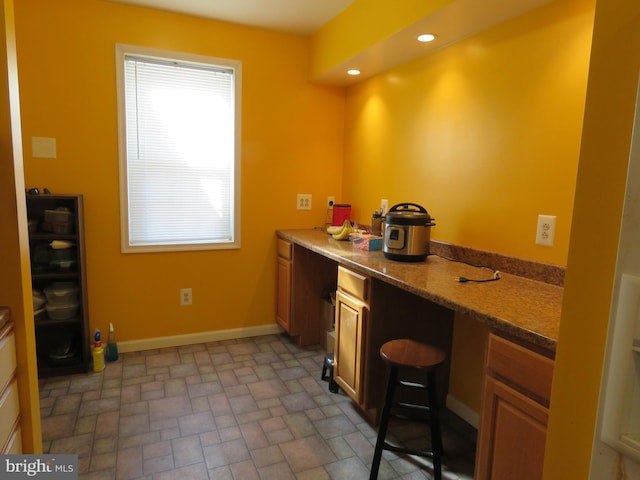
496,273
496,276
329,213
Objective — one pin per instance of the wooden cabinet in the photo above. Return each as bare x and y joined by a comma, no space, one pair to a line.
58,271
368,313
515,410
352,313
283,284
10,441
304,279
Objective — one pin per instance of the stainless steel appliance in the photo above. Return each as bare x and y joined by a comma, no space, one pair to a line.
407,233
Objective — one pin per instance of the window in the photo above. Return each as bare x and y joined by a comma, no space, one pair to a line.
179,130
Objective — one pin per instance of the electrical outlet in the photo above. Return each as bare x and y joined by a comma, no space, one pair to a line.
546,230
331,201
303,201
185,297
384,206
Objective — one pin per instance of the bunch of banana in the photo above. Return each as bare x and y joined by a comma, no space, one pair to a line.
341,232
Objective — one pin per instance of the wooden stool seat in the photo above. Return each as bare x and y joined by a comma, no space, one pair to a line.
405,354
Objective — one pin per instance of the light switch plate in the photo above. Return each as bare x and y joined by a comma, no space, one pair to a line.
43,147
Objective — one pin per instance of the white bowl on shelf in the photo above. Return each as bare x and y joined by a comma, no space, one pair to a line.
62,312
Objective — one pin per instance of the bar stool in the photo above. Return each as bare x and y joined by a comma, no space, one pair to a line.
328,364
404,354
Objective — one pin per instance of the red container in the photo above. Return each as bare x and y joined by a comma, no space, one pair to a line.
341,212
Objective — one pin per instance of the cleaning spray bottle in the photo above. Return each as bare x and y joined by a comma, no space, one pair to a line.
112,346
98,352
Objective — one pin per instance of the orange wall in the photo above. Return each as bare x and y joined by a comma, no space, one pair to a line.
600,193
467,362
485,134
15,280
517,90
347,35
292,136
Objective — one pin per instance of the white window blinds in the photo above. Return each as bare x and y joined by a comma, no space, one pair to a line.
180,154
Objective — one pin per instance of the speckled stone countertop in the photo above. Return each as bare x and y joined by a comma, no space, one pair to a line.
517,306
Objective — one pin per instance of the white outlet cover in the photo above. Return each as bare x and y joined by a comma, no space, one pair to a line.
303,201
546,230
186,297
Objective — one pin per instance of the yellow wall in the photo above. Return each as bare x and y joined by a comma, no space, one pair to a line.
604,156
467,361
484,134
516,92
292,134
348,35
15,279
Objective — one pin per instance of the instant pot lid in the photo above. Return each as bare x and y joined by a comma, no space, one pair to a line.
408,214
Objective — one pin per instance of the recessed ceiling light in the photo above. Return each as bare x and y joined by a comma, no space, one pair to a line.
353,71
426,37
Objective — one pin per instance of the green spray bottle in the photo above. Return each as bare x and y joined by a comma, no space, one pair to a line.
112,346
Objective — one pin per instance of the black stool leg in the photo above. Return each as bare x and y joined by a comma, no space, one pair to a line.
329,365
333,386
434,421
384,423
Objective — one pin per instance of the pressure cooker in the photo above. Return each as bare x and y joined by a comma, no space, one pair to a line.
406,233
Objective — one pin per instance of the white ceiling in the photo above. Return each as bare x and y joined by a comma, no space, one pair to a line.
290,16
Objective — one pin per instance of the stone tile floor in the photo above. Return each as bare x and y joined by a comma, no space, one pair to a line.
243,409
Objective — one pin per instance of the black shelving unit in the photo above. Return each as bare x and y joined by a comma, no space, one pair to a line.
62,343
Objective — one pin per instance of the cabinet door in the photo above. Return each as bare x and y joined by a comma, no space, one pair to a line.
512,435
9,411
7,355
283,300
349,350
14,444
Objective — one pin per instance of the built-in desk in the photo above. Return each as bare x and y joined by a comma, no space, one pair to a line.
420,300
526,309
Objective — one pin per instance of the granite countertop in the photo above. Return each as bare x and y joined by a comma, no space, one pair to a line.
524,308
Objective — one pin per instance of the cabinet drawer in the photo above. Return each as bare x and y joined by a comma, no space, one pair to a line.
7,356
9,411
528,370
285,249
353,283
14,444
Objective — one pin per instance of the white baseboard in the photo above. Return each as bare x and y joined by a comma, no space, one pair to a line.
202,337
463,411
